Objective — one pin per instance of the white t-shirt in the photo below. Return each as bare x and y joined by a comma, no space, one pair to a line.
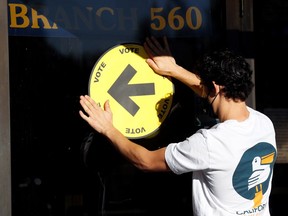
232,165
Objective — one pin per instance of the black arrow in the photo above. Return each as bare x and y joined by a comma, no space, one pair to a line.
121,90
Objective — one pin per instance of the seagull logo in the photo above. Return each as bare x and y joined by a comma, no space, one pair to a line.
260,172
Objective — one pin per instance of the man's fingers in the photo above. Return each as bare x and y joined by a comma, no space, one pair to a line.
152,64
88,105
83,116
107,106
91,102
85,107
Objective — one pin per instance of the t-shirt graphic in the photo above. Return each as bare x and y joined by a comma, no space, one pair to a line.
253,173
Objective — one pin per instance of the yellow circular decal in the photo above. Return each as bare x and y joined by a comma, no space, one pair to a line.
139,98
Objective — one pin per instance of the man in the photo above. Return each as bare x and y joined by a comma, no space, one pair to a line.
232,162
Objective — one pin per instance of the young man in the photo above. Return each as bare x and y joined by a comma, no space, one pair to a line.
232,162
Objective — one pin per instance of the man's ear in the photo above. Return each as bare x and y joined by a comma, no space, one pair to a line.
217,88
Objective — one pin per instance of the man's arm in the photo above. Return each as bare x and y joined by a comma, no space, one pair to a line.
101,120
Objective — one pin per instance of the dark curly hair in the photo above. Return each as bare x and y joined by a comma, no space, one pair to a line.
227,69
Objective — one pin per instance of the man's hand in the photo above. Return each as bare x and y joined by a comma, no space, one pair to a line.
160,58
99,119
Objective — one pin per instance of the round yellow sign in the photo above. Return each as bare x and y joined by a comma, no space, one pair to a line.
139,98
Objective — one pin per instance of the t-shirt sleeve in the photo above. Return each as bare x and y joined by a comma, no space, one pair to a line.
189,155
